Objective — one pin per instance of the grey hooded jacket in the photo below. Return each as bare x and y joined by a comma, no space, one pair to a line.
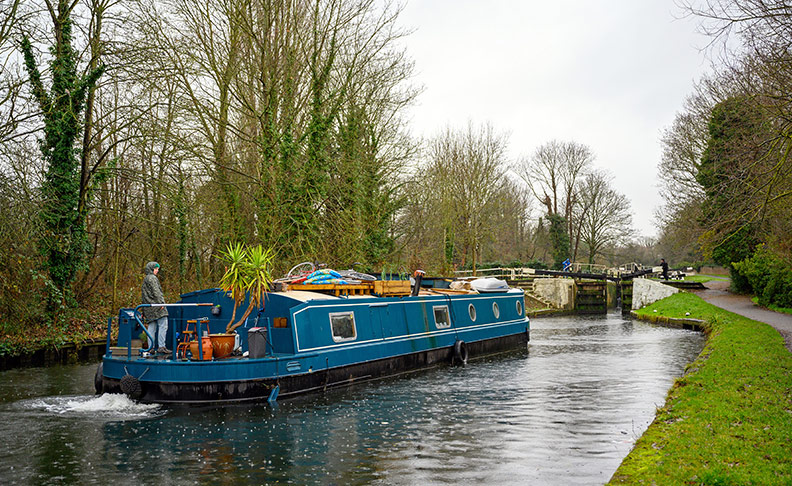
152,294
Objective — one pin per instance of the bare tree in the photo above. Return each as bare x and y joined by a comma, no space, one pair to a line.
269,89
470,167
510,237
18,115
605,217
553,174
763,26
10,83
683,144
462,206
760,71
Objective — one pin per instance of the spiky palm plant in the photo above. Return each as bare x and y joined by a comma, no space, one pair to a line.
257,268
235,279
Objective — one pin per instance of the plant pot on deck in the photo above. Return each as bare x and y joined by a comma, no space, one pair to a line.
206,347
223,344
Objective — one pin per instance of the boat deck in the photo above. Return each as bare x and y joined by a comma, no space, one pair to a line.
121,354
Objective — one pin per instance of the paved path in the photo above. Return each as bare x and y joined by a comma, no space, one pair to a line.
717,294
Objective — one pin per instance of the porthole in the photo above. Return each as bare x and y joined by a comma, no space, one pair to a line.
519,308
496,310
472,312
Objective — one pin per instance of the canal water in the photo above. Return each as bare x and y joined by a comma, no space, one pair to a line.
566,411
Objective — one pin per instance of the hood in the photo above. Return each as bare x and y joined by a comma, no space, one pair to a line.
150,266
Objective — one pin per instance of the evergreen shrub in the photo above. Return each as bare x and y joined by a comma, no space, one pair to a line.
767,276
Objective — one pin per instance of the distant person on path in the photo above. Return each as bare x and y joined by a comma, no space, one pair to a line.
156,317
664,264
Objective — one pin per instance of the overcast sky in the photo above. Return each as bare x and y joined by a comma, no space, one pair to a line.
610,74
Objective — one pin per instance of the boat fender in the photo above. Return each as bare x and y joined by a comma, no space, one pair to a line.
98,378
131,387
460,352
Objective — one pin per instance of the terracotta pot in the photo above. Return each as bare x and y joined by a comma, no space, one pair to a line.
207,349
223,344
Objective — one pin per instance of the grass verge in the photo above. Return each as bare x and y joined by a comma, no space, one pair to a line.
728,420
703,278
695,278
772,307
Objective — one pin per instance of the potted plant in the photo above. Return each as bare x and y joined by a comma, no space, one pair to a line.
233,283
234,280
248,273
258,266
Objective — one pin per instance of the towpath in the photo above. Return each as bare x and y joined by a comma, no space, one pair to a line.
717,294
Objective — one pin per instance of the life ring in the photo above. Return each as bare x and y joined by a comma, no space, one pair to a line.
460,352
98,379
131,387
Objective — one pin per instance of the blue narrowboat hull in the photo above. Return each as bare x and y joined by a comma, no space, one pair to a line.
323,343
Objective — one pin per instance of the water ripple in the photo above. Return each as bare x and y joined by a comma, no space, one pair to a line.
564,411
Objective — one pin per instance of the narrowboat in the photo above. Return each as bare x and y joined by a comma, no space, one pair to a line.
307,339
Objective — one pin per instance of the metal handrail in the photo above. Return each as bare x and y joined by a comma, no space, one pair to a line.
136,315
513,273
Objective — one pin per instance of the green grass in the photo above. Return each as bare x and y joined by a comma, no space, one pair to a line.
697,278
785,310
728,420
703,278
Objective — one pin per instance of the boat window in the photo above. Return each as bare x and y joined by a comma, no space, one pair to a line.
441,316
496,310
472,312
343,326
519,308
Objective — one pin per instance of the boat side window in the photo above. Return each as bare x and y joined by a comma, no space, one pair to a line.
519,308
343,326
472,312
496,310
441,316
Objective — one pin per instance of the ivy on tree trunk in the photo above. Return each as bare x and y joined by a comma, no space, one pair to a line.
63,241
559,239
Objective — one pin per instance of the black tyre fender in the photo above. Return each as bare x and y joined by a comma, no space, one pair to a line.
460,352
98,379
131,387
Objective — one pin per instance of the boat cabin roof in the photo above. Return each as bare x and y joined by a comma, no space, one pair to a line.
305,296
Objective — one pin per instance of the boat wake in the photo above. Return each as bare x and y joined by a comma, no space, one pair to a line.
108,405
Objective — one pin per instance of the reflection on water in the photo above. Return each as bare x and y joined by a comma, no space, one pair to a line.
566,411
